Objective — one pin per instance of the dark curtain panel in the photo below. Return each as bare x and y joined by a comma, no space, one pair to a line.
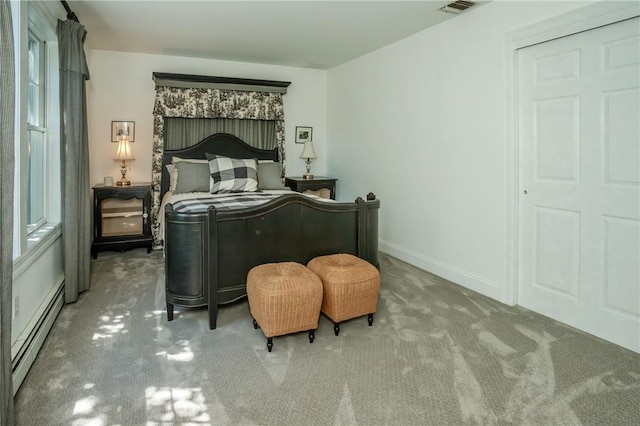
7,111
185,132
74,153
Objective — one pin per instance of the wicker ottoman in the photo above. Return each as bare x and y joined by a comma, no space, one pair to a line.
351,287
284,298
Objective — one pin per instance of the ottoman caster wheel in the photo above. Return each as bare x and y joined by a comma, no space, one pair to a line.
255,324
312,336
370,319
269,343
336,328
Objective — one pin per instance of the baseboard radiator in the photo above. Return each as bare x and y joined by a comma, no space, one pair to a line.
27,353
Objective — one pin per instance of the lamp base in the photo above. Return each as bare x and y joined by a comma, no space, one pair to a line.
307,176
123,180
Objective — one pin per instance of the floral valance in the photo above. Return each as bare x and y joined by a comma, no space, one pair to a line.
216,103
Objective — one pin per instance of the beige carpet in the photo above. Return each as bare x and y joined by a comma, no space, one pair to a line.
437,354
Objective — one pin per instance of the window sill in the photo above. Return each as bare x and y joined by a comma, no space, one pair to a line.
37,243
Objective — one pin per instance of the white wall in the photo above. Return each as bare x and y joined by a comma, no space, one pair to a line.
121,88
33,289
420,123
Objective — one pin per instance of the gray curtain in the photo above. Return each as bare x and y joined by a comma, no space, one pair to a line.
184,132
74,153
7,111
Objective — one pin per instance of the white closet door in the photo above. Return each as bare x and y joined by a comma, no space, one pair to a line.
579,222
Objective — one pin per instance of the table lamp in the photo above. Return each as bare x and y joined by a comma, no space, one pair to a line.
123,154
308,153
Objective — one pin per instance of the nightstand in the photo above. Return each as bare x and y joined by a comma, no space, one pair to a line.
322,186
121,218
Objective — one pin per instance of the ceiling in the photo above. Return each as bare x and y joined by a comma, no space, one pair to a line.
309,34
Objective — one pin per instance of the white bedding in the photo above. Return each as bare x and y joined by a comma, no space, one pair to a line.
170,198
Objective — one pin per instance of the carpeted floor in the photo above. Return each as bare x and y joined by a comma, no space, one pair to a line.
437,354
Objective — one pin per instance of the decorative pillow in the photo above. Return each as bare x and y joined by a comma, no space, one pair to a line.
173,171
192,177
270,176
232,174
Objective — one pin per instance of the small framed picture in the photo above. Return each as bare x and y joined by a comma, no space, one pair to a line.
304,134
123,128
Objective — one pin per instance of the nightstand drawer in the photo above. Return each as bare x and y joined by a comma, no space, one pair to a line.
122,217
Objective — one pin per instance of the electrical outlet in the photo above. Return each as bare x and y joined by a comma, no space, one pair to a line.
16,306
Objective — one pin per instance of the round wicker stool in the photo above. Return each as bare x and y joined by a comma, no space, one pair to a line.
351,287
284,298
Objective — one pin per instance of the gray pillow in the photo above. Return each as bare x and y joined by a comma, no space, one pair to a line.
269,176
192,177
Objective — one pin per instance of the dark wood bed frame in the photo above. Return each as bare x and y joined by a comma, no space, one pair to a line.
208,255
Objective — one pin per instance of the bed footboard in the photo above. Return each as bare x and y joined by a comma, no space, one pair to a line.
208,255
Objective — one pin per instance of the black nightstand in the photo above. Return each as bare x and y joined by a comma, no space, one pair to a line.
316,184
121,219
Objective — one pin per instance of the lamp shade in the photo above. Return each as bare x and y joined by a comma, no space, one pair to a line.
124,150
308,151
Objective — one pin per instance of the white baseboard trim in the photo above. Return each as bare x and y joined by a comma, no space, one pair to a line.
457,276
38,331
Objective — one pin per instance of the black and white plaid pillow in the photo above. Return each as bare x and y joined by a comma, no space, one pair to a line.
232,174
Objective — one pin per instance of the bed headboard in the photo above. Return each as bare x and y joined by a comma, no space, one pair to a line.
221,144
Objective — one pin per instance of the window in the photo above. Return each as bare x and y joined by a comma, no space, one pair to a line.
37,167
36,136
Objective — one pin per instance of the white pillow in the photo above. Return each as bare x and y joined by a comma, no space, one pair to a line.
189,160
173,177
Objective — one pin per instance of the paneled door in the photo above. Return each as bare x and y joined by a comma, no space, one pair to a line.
579,218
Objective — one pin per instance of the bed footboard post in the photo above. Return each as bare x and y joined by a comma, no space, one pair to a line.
368,229
362,226
212,266
186,260
373,207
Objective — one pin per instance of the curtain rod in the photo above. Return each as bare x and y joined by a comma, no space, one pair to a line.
215,82
70,13
215,79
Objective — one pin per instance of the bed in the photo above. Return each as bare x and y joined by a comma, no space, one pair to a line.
209,252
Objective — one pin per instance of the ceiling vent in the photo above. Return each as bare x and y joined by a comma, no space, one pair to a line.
457,7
